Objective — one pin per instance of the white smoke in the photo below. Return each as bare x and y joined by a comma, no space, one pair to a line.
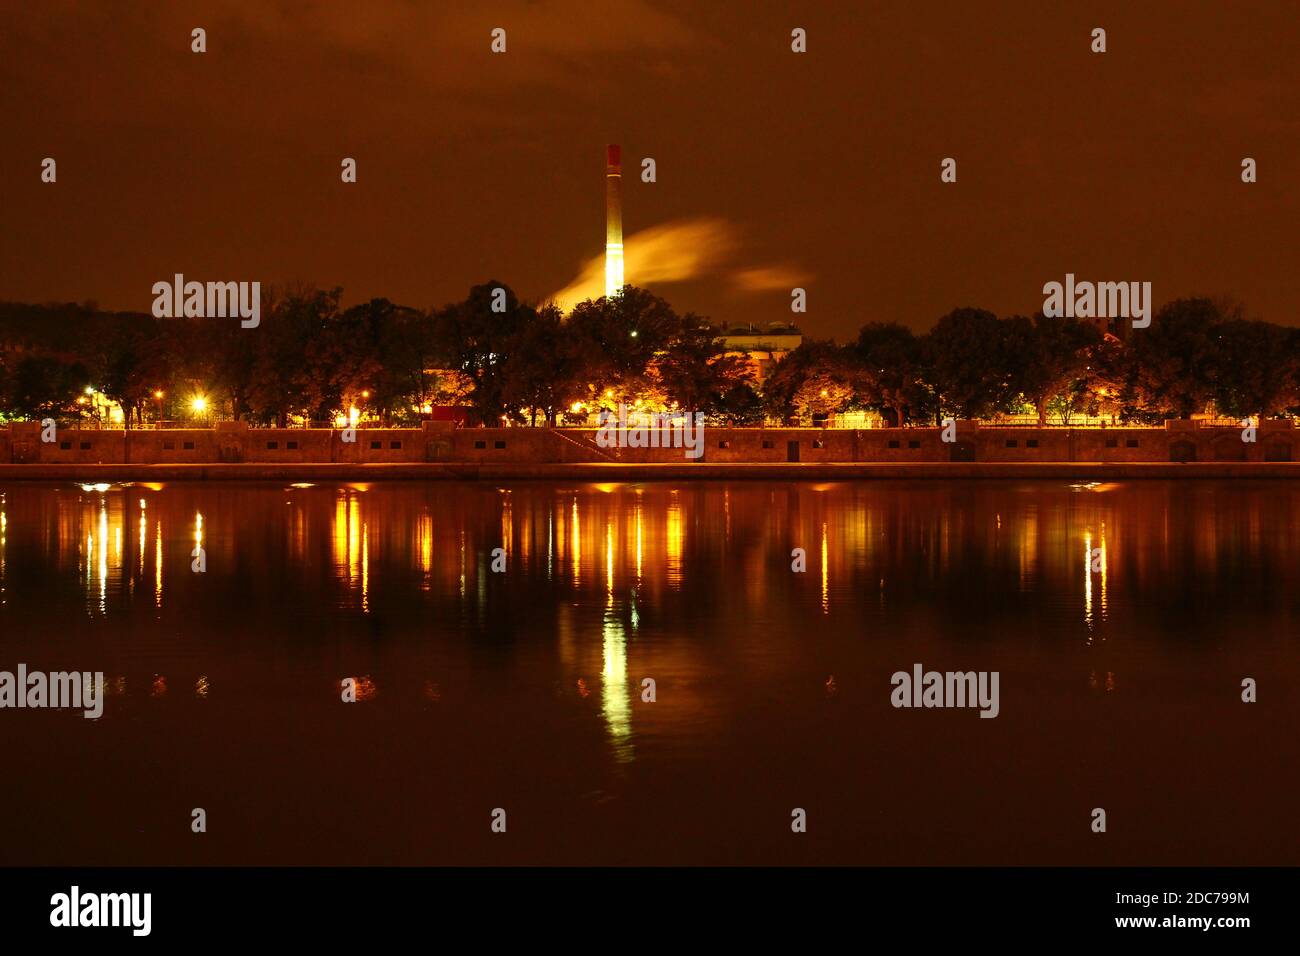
676,252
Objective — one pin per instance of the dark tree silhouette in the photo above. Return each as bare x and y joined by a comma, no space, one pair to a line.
893,362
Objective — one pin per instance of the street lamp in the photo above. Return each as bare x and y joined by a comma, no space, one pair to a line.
97,404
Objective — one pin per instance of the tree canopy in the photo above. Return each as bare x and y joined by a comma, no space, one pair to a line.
511,360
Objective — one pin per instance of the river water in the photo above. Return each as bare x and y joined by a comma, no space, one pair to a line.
1121,619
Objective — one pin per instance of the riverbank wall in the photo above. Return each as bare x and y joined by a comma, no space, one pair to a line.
438,449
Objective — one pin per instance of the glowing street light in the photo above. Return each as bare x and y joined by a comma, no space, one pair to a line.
199,404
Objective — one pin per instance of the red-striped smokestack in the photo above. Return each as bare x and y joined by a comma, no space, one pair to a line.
613,220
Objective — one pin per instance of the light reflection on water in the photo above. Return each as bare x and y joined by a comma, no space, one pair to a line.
649,531
1069,590
652,535
636,544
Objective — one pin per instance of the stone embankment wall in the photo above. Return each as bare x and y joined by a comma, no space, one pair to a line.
441,442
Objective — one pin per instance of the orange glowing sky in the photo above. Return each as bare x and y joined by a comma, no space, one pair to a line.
774,169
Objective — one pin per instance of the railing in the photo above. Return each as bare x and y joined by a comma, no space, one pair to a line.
1058,425
1053,421
91,424
585,445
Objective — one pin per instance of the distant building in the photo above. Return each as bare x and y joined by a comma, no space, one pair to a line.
762,346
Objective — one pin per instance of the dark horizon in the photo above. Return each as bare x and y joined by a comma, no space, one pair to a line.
819,169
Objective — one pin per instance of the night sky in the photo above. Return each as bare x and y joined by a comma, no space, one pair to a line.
774,169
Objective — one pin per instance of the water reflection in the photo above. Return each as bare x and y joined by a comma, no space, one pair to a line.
826,575
158,566
576,561
674,536
624,581
614,690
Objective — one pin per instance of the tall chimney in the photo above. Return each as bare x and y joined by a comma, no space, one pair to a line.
613,221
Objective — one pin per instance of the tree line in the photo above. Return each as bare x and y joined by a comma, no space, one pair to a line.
512,361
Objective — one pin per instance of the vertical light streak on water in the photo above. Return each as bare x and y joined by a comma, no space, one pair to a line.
461,536
674,539
365,568
576,546
103,557
1104,562
639,520
1028,548
609,559
424,545
354,539
340,538
158,567
507,525
826,580
615,705
144,536
1087,582
526,532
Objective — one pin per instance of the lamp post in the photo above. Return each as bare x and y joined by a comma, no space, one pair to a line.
158,397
